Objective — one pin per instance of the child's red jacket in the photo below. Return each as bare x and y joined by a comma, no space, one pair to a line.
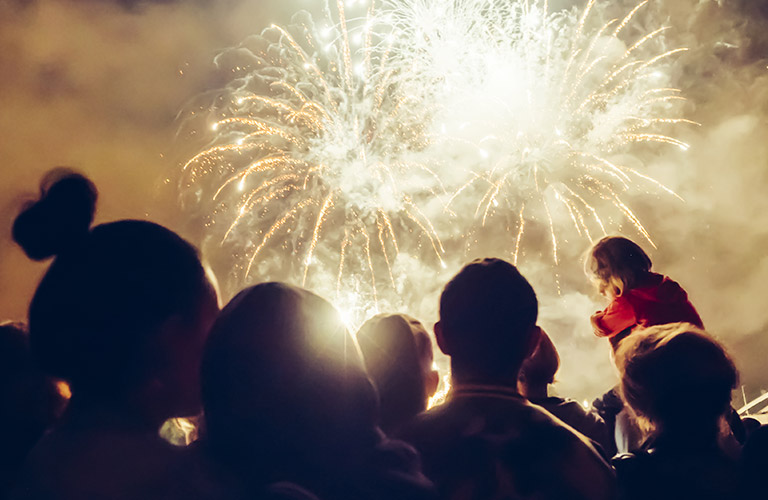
656,301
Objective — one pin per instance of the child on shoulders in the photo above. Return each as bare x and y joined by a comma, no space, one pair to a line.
622,272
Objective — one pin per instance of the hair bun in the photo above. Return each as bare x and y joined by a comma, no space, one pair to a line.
61,217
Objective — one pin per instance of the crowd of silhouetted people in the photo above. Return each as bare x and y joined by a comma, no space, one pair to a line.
125,337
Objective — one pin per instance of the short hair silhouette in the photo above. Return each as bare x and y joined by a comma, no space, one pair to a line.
676,375
286,398
280,363
95,315
487,313
398,357
539,369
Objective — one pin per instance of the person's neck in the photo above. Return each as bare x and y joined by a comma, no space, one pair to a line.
687,433
460,378
533,392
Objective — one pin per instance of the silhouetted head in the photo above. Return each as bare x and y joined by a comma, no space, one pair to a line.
30,401
123,310
676,376
617,264
29,397
539,369
487,321
283,382
398,356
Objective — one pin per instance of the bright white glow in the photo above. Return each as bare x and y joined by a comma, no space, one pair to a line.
362,154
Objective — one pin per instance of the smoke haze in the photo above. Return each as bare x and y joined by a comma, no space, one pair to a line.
97,85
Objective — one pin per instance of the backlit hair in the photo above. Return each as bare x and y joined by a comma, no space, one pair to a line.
540,367
398,356
617,264
675,373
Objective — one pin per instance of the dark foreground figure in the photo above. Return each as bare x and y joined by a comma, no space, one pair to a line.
398,357
486,441
287,400
121,314
30,402
679,381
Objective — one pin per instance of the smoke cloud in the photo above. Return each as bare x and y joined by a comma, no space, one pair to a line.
97,85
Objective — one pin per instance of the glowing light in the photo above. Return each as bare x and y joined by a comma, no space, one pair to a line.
442,392
351,143
551,102
320,170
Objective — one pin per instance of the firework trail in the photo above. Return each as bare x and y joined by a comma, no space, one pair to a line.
539,108
343,145
314,171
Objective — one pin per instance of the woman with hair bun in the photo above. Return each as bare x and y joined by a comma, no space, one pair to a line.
121,314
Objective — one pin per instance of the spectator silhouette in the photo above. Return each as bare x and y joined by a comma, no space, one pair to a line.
121,314
678,381
286,399
30,401
537,373
486,441
621,270
755,462
398,357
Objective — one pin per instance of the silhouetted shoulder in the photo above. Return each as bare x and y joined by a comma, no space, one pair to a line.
76,464
499,445
588,423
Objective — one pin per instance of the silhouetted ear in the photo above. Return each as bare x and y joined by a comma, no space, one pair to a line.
441,342
533,340
431,382
522,388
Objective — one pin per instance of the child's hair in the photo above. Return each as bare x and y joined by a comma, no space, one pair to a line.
675,374
617,263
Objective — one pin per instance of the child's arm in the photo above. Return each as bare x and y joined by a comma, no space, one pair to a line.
597,326
617,317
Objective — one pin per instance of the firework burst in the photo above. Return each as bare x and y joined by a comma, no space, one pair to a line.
315,163
343,145
538,108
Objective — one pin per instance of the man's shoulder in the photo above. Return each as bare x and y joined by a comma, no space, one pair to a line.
467,442
67,463
503,419
427,423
